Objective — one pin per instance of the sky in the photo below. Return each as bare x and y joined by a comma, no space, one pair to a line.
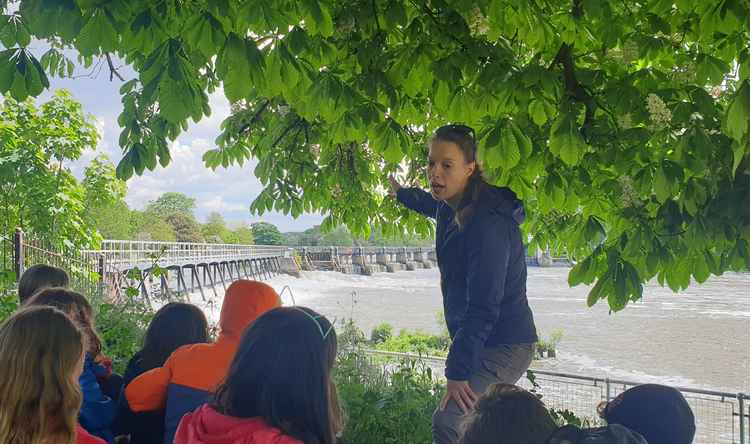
227,191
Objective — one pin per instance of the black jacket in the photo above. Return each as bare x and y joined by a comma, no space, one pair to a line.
483,275
143,428
611,434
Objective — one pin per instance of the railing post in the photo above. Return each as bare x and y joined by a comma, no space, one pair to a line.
743,430
18,253
100,268
609,393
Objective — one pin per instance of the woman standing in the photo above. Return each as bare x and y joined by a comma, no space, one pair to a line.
482,264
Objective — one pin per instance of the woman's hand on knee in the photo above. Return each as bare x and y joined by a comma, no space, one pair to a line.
461,393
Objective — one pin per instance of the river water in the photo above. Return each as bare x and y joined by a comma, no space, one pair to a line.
698,338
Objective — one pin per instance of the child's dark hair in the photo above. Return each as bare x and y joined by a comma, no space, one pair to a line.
465,138
661,414
77,307
507,414
282,373
174,325
38,277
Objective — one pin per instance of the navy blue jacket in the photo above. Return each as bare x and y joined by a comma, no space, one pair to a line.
482,275
98,410
145,427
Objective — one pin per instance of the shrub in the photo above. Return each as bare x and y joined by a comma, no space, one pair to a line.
381,333
122,327
390,403
417,342
350,335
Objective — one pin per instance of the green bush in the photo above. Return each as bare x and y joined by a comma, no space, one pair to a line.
381,333
122,328
417,342
8,303
350,335
390,403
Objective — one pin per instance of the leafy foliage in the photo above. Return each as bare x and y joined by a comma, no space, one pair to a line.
171,203
105,200
622,125
266,234
147,225
38,193
186,228
385,406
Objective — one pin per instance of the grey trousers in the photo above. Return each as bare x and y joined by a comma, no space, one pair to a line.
503,363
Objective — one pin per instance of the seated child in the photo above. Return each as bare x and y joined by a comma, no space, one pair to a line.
508,414
98,409
279,388
191,374
38,277
41,356
174,325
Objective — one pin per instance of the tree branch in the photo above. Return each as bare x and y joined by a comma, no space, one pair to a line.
573,87
256,117
285,132
434,18
112,70
377,18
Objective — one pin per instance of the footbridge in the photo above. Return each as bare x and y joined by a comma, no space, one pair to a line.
168,269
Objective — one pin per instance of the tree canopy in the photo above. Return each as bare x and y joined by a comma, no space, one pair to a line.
266,234
38,193
624,126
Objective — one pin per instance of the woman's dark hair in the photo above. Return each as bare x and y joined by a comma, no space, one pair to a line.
38,277
174,325
465,138
282,374
77,307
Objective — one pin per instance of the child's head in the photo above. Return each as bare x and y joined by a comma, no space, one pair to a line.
174,325
282,373
77,307
41,357
659,413
38,277
508,414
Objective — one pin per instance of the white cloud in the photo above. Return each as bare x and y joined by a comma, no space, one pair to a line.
229,191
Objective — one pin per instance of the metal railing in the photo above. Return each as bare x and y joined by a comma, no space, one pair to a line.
721,417
128,254
365,250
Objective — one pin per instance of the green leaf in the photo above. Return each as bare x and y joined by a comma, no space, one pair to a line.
206,34
395,15
13,31
566,141
710,70
738,114
241,66
538,111
319,17
599,290
662,185
744,65
98,35
582,273
511,154
7,69
524,143
738,152
701,271
490,149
